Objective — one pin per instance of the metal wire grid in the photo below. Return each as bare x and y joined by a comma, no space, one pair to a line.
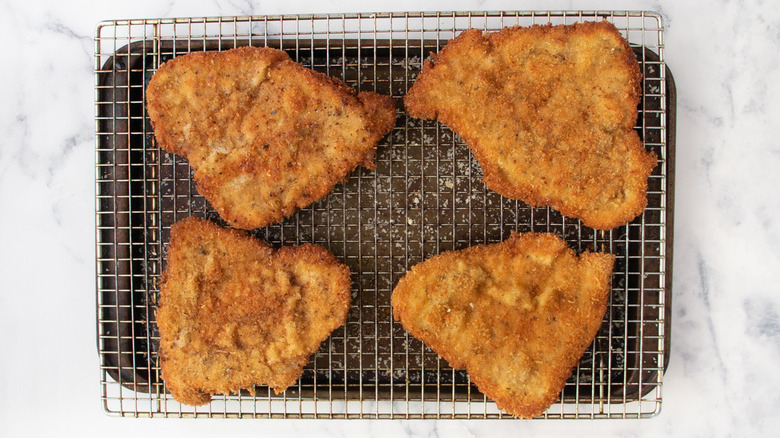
425,197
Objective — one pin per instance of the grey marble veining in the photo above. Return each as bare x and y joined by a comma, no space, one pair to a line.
723,377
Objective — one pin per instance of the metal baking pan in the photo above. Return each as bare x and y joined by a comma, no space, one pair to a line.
425,197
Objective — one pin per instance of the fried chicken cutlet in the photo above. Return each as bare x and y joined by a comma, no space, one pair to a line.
264,135
234,313
517,315
548,112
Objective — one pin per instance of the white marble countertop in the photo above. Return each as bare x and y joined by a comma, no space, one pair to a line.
723,376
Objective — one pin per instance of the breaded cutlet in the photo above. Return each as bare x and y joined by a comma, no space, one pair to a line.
548,112
234,312
517,315
264,135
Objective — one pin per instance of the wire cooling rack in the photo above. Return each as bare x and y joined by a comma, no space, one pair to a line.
425,197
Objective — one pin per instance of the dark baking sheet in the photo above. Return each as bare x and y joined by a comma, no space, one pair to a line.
426,196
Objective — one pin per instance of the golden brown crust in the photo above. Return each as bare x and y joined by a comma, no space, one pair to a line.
548,112
234,313
516,315
265,135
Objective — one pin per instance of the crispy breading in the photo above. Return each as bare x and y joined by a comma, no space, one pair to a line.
234,313
265,135
548,112
517,315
